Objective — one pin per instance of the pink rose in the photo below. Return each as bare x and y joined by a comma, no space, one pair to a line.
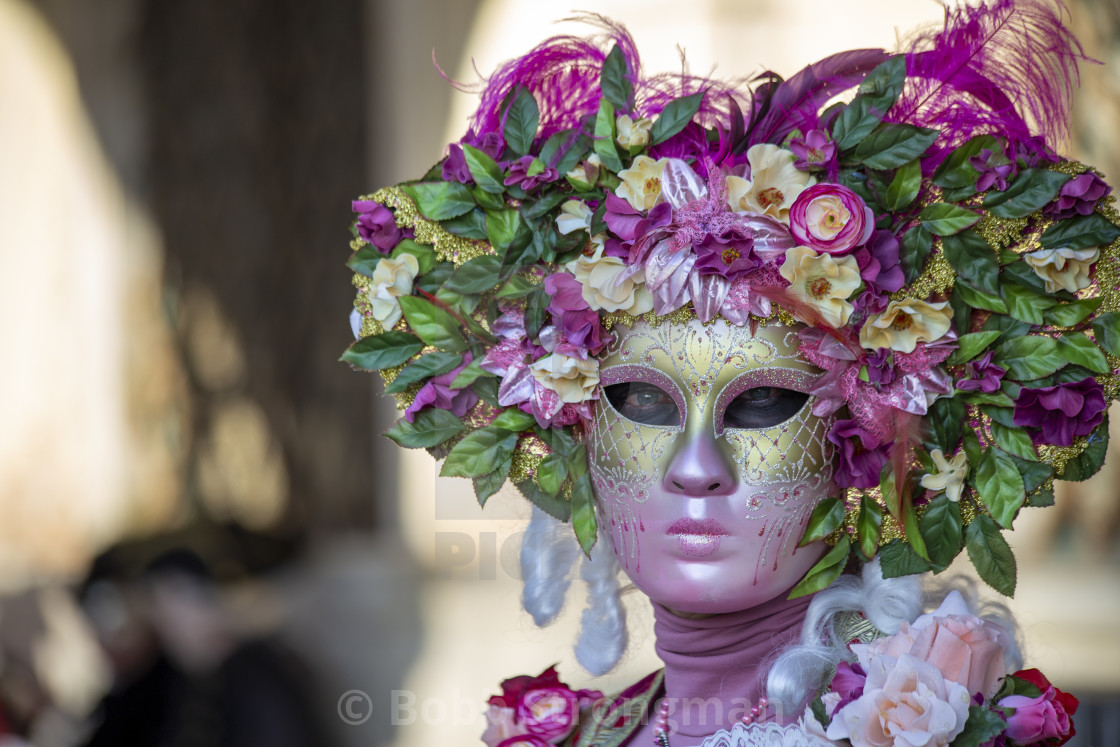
524,741
535,711
500,726
963,647
1045,719
549,713
905,702
831,219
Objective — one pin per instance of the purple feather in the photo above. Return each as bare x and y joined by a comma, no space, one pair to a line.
1007,68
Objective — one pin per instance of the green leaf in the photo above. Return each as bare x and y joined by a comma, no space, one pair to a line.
869,526
899,559
1025,304
426,259
889,146
432,364
516,287
535,307
487,390
487,200
1088,463
915,248
999,485
429,427
485,171
521,123
364,261
973,259
604,137
1106,328
1029,357
944,420
991,555
955,171
479,452
551,473
904,187
583,511
978,299
488,484
981,726
826,518
1014,441
855,122
513,420
882,86
1032,190
674,117
1034,473
1069,314
1081,351
471,373
1081,232
941,526
386,350
477,275
944,219
909,522
615,81
970,346
554,506
502,227
827,570
470,225
440,200
432,324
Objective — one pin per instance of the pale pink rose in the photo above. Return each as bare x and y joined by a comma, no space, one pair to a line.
500,726
905,703
963,647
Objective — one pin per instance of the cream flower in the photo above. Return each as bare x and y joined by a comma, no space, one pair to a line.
905,323
631,133
392,278
1064,269
602,289
584,174
775,183
573,379
574,215
950,475
641,183
823,282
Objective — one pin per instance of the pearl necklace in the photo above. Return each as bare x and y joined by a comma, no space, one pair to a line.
661,729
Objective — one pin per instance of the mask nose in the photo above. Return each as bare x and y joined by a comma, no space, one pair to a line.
699,469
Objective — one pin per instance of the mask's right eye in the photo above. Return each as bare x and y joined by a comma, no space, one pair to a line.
643,403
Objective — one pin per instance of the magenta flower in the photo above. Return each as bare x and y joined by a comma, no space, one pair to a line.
728,254
1035,720
815,151
548,713
848,683
880,367
524,740
571,313
862,457
1057,414
994,170
830,218
438,393
377,225
983,375
629,224
529,173
1078,196
455,165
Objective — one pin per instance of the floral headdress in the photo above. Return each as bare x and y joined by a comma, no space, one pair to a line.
958,280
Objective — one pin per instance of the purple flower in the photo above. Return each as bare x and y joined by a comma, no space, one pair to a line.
629,224
1078,196
994,169
880,367
862,457
455,165
529,173
438,393
815,151
580,325
983,375
879,266
377,225
729,253
1057,414
848,683
690,144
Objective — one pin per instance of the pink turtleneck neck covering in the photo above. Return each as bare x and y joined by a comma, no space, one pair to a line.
720,657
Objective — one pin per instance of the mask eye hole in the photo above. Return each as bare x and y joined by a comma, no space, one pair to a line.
643,403
763,407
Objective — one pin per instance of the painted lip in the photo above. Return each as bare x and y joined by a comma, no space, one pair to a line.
697,539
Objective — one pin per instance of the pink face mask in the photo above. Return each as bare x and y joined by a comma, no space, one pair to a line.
707,461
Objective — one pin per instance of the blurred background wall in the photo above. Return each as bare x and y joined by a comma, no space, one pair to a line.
175,182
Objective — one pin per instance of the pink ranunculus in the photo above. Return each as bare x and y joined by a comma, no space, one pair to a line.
830,218
906,702
549,713
963,647
526,740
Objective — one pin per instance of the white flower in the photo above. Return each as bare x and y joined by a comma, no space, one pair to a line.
823,282
1063,269
641,183
905,323
392,278
631,133
775,183
573,379
574,215
602,288
950,475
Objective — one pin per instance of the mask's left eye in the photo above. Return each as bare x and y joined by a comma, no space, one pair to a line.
643,403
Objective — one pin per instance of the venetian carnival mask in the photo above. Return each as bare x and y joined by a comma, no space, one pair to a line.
707,460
